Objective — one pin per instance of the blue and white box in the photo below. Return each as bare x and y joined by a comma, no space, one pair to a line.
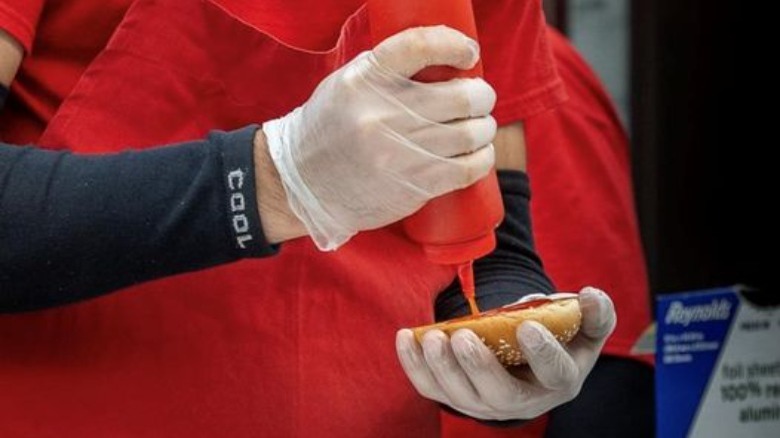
718,364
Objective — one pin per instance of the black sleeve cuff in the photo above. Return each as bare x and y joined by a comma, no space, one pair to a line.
238,171
3,95
75,226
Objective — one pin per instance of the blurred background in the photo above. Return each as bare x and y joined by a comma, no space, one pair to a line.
686,77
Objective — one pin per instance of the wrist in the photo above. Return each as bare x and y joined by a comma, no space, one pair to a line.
510,147
279,222
11,54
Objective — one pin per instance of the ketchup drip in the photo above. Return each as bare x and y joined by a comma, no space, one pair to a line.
466,277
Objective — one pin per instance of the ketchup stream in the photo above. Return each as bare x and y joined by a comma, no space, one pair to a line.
466,277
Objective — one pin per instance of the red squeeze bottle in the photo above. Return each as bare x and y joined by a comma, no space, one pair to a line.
459,227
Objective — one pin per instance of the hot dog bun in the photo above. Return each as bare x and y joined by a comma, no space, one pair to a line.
497,328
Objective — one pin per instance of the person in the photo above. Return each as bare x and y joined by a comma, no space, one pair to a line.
586,230
190,349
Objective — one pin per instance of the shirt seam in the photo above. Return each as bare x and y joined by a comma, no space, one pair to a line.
530,103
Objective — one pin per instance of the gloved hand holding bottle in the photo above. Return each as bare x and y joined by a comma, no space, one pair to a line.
372,146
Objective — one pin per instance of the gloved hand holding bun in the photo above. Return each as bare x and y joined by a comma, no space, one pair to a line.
462,372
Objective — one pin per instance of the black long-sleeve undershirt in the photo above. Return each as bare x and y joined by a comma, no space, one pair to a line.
78,226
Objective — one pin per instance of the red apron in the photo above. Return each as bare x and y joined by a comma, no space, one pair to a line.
300,344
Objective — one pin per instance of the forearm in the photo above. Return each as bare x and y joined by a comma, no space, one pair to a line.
74,226
510,147
11,54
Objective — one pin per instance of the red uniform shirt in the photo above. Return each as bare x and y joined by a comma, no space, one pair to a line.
583,212
297,344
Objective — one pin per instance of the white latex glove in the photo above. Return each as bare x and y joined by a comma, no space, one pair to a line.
462,373
371,146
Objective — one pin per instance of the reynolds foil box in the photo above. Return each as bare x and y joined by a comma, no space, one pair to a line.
718,364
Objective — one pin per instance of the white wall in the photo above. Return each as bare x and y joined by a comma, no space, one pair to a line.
600,30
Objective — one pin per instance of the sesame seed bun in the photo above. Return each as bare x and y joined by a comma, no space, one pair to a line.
497,328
